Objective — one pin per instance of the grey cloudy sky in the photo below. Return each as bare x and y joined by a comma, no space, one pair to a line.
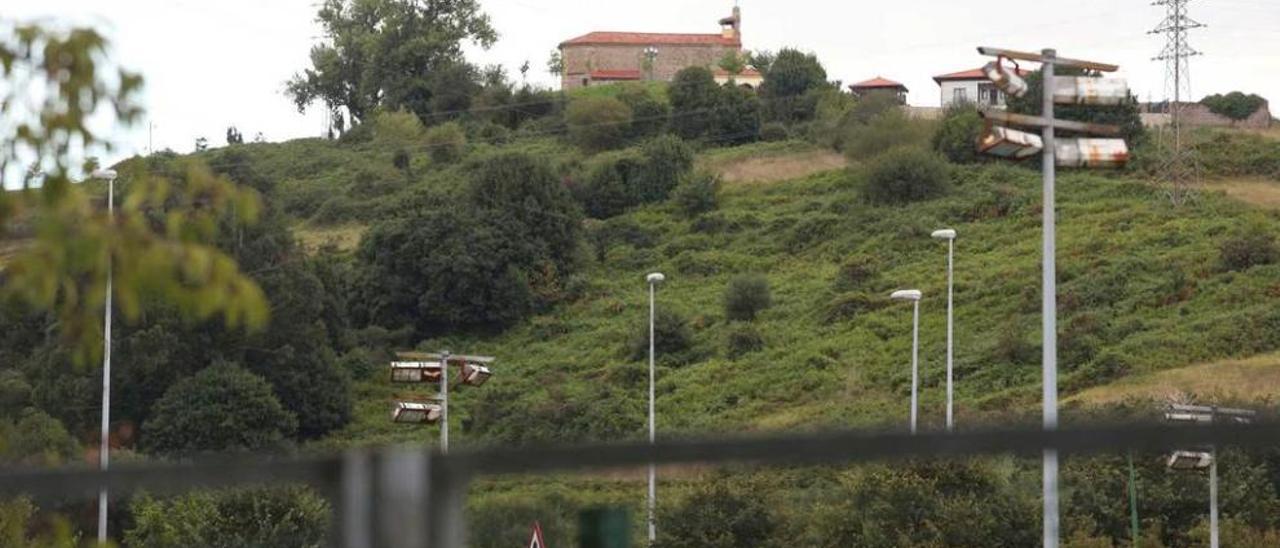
213,63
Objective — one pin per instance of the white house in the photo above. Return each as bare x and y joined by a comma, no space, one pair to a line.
971,86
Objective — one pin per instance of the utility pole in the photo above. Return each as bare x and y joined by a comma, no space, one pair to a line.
1179,171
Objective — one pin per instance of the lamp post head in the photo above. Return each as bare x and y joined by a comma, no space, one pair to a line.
103,174
906,295
655,278
944,234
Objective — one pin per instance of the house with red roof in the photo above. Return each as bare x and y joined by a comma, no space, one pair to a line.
880,85
606,57
971,86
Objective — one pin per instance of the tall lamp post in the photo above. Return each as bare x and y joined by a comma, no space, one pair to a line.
653,279
104,447
914,296
950,236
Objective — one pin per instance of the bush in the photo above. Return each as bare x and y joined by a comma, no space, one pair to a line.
279,516
698,194
598,123
221,408
694,94
746,296
744,340
957,137
830,112
1248,247
1235,105
398,127
736,117
446,143
855,272
847,306
716,518
649,114
906,175
774,131
672,337
667,160
889,130
790,83
36,439
607,189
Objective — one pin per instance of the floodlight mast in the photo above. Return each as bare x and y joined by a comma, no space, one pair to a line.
477,379
1198,460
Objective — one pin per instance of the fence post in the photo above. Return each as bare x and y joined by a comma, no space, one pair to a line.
402,494
447,500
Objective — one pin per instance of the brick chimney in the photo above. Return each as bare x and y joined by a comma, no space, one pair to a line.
731,27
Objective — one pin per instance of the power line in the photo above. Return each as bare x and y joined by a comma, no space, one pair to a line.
1179,171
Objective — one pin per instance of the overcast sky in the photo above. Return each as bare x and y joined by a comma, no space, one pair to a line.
213,63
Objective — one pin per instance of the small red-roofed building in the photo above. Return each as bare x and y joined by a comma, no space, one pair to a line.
880,85
971,86
607,57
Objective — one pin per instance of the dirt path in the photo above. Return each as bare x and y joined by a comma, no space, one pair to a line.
768,169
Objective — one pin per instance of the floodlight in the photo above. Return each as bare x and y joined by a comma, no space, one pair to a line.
1090,91
1097,153
906,295
944,234
1009,143
416,413
1190,460
1008,81
474,374
415,372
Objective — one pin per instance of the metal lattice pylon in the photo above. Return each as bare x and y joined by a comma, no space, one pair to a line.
1180,171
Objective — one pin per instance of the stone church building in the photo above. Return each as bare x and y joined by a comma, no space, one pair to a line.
608,57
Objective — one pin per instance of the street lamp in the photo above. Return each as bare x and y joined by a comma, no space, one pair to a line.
914,296
650,58
1199,460
104,447
653,279
950,236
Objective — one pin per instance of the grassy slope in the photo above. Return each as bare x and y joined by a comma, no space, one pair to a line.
1145,273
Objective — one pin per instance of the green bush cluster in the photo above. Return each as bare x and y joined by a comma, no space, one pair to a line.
698,194
957,135
618,181
222,408
746,296
906,175
1235,105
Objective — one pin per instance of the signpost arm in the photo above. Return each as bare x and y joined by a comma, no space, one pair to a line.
1049,312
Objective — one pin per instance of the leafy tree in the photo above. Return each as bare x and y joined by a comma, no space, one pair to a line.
1125,115
649,114
957,137
736,117
222,408
555,63
717,517
202,144
598,123
906,175
621,180
698,194
790,78
732,62
233,136
153,262
694,95
1235,105
390,53
746,296
521,193
667,160
36,439
446,143
280,516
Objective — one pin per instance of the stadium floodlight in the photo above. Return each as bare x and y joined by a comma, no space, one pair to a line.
1007,80
475,374
914,296
1009,143
416,413
1087,90
1092,153
416,372
1190,460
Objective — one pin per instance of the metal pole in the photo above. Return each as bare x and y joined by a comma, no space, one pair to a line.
1133,502
1213,498
1049,312
444,401
104,447
653,483
915,366
951,248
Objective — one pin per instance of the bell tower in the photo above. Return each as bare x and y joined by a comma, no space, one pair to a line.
731,27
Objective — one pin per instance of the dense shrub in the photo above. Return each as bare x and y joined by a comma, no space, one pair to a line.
649,114
867,107
830,111
222,408
36,439
694,95
855,272
957,136
672,337
620,180
278,516
603,235
716,517
446,143
667,159
698,194
1235,105
1234,154
746,296
598,123
1248,247
790,83
736,117
744,340
392,128
774,131
848,306
888,130
906,175
523,194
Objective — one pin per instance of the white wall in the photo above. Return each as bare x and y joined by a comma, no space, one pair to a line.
971,92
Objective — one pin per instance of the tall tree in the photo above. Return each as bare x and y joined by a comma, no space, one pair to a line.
387,53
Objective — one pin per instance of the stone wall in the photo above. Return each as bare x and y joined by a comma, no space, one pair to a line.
1198,115
580,60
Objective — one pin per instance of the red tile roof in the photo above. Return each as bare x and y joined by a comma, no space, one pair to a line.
651,39
615,75
876,83
975,74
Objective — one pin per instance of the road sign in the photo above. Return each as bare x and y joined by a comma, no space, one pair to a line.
536,540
